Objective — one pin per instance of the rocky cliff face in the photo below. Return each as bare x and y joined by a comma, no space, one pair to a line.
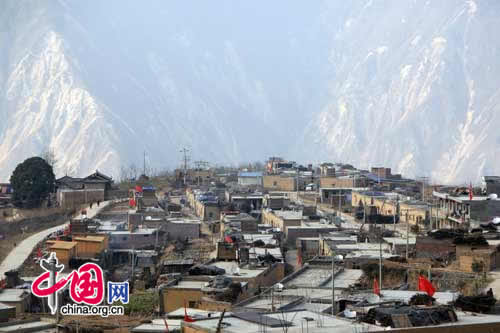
408,84
415,87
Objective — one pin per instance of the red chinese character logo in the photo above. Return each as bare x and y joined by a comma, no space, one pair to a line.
87,284
84,287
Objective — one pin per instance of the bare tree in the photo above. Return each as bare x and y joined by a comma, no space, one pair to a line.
50,157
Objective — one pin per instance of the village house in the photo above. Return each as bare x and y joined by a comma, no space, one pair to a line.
280,182
193,290
245,201
457,208
383,203
477,258
350,181
19,299
137,239
64,251
176,229
282,219
90,246
5,195
276,200
204,203
7,312
232,222
72,192
308,229
327,170
491,184
247,178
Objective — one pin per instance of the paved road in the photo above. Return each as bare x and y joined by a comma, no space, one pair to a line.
21,252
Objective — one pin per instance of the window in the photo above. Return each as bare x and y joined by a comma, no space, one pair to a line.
192,304
275,183
146,236
124,238
210,214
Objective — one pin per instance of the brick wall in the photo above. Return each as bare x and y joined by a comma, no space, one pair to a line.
72,199
427,247
174,298
295,232
279,183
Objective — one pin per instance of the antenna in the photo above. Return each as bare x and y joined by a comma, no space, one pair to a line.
144,170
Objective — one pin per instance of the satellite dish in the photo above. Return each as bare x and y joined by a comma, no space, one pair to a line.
339,257
493,196
496,220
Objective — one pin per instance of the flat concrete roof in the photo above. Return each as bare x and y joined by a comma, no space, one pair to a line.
97,239
158,325
231,266
400,240
266,303
368,255
313,293
5,306
311,277
29,326
141,231
185,284
13,295
61,245
346,278
362,247
401,295
288,214
194,313
459,198
317,322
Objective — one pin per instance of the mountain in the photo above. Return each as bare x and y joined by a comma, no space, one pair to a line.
407,84
415,86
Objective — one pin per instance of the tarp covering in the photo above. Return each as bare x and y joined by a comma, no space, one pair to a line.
417,316
206,270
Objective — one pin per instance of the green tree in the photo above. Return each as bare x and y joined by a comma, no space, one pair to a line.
32,181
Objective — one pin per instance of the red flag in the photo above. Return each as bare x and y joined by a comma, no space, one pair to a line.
228,239
471,194
187,318
39,253
299,260
425,285
131,203
376,288
166,324
138,188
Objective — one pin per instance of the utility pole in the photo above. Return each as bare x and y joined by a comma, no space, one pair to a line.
199,165
333,285
340,203
185,152
407,235
380,260
297,184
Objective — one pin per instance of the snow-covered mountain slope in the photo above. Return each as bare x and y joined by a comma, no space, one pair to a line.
408,84
416,87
